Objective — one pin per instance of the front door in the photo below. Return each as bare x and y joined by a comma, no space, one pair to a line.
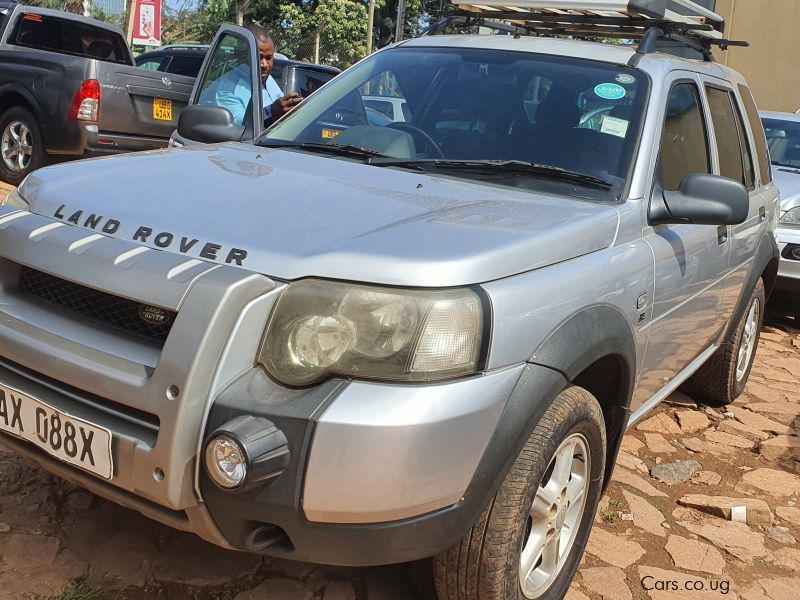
691,261
230,78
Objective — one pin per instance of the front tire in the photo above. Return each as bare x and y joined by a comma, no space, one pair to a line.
723,378
528,542
21,145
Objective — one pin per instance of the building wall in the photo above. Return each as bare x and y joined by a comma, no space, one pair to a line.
772,62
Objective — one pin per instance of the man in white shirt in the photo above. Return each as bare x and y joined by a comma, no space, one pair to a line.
275,103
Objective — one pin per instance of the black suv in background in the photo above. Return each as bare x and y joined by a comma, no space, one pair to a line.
292,75
185,59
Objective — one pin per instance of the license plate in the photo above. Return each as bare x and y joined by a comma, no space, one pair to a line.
162,109
329,134
68,438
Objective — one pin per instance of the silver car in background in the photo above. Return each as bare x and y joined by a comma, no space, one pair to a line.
783,138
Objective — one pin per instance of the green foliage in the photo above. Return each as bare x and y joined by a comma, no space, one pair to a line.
340,24
82,588
98,13
185,27
610,513
73,6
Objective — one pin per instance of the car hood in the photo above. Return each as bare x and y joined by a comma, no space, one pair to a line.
787,180
290,215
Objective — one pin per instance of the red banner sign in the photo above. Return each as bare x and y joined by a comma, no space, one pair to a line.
147,22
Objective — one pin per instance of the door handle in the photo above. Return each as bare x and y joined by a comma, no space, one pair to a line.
722,235
762,213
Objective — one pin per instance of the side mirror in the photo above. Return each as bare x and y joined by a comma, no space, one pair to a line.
702,199
208,124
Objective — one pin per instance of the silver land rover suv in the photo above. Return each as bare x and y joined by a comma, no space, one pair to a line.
369,344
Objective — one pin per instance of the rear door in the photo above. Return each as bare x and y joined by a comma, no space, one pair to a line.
231,78
737,160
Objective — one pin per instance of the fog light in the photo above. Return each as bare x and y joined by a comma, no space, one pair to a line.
796,252
226,462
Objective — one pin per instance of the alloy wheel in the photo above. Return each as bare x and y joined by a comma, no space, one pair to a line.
555,516
747,345
16,146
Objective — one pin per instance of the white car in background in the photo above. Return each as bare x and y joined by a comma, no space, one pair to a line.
783,138
392,107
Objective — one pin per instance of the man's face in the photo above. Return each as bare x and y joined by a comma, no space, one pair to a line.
266,52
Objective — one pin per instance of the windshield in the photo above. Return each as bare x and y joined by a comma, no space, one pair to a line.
783,138
439,106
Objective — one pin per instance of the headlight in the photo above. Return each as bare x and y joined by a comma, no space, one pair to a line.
321,328
14,199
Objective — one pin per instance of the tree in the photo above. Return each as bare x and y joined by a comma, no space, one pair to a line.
337,27
73,6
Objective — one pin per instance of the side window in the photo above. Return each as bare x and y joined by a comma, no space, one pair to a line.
185,65
747,154
726,132
308,82
151,64
227,82
759,137
684,143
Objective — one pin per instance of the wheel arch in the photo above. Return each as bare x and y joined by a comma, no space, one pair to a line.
12,95
765,267
595,349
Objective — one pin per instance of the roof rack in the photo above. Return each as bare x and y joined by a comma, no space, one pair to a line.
683,21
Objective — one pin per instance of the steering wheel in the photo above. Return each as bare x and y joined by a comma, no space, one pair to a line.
347,116
418,134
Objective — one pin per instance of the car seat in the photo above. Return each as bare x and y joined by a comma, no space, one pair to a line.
100,49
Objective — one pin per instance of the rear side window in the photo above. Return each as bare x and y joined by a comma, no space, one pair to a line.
64,36
185,65
308,82
734,155
759,137
382,106
684,143
151,64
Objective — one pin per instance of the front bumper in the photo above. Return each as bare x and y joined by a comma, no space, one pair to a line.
378,473
400,482
789,267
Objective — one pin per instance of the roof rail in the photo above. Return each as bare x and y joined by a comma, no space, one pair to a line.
185,47
683,21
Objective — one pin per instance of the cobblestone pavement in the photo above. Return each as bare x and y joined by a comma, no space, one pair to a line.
663,531
665,522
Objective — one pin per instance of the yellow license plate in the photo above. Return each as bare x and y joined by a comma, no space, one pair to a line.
329,134
162,109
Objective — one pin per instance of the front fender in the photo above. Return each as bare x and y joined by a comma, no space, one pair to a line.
595,348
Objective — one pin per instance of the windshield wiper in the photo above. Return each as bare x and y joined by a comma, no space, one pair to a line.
338,149
493,166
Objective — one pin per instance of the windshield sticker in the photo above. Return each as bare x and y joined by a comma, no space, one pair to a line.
625,79
610,91
614,126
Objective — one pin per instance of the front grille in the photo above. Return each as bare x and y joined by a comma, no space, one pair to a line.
788,251
143,320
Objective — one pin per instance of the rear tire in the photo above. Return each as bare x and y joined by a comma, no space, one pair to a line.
21,145
723,378
544,508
